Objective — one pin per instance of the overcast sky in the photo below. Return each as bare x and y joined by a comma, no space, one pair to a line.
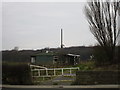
36,25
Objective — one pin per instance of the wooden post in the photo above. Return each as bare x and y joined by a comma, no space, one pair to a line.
43,78
51,77
70,71
38,72
46,72
54,72
62,71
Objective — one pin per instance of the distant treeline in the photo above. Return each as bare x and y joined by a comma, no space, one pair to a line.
24,55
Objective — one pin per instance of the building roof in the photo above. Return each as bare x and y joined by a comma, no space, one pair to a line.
45,53
74,55
53,53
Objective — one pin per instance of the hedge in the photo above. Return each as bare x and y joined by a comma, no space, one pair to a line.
97,77
16,74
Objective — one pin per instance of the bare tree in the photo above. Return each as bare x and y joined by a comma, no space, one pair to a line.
102,19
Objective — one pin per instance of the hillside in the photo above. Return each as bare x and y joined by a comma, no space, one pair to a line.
24,55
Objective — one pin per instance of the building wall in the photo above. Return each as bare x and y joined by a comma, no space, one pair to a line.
48,60
44,59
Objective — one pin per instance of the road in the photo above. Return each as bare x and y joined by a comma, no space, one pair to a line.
59,87
59,80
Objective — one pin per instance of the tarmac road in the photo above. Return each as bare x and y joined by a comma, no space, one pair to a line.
60,89
90,87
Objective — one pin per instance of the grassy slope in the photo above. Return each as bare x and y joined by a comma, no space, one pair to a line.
90,65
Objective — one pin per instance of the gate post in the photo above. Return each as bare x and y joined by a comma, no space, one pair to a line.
38,72
62,71
46,72
70,71
54,72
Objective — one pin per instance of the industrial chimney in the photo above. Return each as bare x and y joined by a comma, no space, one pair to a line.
61,38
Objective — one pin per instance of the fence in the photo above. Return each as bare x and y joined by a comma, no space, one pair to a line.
49,72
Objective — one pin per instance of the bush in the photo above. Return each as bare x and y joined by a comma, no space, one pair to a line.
105,56
89,65
55,83
16,74
100,56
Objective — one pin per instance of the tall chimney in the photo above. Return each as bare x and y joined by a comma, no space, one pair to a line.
61,38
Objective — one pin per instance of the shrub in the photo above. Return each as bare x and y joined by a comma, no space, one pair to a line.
16,73
100,56
55,83
89,65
